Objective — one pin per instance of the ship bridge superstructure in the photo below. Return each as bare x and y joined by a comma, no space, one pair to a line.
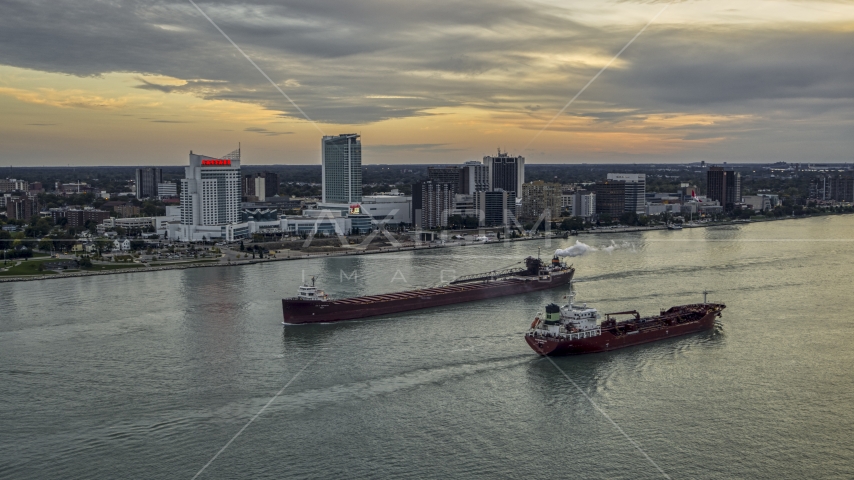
570,321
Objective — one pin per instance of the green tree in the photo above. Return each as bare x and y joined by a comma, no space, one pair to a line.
629,218
572,223
45,244
103,245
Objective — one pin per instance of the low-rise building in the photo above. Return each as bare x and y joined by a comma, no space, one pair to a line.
73,188
122,209
129,223
711,209
327,222
121,245
258,212
660,208
359,224
394,209
286,203
314,221
464,205
78,217
167,190
757,203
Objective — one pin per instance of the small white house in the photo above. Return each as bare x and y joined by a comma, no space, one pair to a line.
123,245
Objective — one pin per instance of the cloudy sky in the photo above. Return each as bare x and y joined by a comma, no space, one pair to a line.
110,82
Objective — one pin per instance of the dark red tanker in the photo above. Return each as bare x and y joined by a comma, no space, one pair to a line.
574,329
314,306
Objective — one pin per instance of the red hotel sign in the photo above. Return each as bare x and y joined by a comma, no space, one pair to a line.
216,163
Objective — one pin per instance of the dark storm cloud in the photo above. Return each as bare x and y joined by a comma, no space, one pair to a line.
339,53
729,66
361,62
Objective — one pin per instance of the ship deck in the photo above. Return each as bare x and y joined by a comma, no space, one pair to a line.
387,297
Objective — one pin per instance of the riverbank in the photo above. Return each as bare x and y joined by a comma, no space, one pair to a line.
346,252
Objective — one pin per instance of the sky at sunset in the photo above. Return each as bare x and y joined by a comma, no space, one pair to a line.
143,83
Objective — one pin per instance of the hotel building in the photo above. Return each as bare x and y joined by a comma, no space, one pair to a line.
210,199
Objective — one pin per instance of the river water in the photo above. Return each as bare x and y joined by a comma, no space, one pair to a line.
149,375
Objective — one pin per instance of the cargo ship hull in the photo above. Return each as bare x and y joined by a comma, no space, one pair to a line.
297,311
609,340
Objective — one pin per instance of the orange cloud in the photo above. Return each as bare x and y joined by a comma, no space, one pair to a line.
63,98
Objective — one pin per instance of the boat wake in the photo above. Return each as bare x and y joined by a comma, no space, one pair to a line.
581,248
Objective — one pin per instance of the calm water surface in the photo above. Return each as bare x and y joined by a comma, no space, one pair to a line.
148,375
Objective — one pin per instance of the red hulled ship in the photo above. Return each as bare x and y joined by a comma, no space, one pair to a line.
314,306
575,329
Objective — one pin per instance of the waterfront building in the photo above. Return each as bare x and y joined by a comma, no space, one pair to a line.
659,208
359,223
505,173
210,199
583,204
610,197
468,178
341,169
758,203
540,198
567,195
723,186
495,208
147,180
475,178
635,190
328,222
832,187
396,209
432,203
464,205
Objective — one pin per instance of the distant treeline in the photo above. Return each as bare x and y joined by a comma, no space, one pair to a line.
295,178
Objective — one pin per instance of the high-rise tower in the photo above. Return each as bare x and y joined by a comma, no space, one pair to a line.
506,173
342,168
210,198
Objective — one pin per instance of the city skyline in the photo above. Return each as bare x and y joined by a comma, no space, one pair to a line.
439,83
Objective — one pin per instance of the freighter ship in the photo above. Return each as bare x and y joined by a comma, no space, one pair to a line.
575,329
312,305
